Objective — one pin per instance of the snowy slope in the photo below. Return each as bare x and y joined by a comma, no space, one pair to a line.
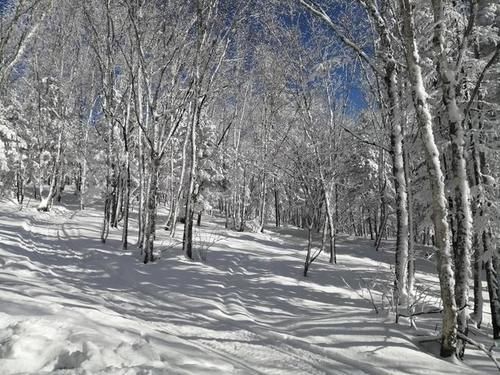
71,305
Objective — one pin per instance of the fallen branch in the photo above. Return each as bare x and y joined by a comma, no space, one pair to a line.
480,347
422,313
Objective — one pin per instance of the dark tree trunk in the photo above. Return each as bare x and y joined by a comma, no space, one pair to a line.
126,206
478,287
277,207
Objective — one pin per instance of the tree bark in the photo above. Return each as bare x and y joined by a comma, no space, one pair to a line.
187,244
150,224
126,177
277,215
477,277
401,261
440,212
177,198
331,227
463,216
46,203
411,226
493,281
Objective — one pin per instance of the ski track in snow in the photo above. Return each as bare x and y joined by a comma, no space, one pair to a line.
72,305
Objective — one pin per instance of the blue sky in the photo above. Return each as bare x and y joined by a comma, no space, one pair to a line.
350,74
3,4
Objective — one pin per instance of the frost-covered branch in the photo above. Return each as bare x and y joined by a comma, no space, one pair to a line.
318,11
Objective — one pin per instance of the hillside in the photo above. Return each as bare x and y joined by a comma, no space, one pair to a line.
71,305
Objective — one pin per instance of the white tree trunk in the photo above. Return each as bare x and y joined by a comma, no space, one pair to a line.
463,217
401,261
46,202
436,178
181,185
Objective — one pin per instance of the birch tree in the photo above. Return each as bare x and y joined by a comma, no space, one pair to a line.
435,175
389,74
210,48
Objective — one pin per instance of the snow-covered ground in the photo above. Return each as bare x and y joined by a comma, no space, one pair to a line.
72,305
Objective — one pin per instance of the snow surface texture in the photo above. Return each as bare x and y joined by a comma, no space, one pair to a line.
71,305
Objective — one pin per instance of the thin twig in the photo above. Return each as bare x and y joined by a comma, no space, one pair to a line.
364,140
371,297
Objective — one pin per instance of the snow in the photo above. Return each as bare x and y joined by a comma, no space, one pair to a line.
72,305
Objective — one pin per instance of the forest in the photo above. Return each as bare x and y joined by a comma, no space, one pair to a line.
178,139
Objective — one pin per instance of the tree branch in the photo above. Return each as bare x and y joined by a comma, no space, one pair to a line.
320,13
364,140
491,61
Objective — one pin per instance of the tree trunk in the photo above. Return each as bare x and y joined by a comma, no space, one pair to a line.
263,196
83,184
46,202
439,206
493,281
144,116
142,189
126,178
383,204
226,214
173,203
150,223
463,216
478,286
242,209
276,206
126,203
411,226
370,227
401,261
181,185
115,197
187,243
19,185
108,200
308,260
331,227
105,224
